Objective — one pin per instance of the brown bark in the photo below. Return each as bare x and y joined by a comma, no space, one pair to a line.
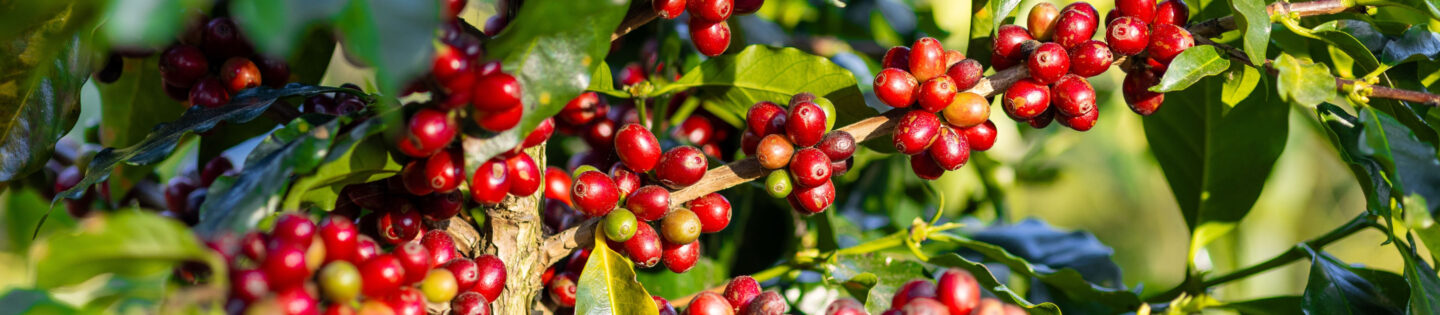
515,234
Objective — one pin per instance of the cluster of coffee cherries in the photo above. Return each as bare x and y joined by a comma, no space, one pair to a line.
1059,54
930,80
1141,28
741,296
185,193
801,176
954,292
708,29
212,61
460,78
298,263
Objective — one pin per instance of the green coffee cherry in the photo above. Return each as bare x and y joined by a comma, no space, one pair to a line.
829,109
778,184
582,169
620,225
439,286
340,281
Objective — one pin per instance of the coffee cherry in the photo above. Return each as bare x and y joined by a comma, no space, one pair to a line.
712,10
340,281
810,167
285,266
777,184
583,109
183,65
680,226
594,194
696,130
440,246
663,305
953,57
491,182
626,181
441,206
407,301
523,174
966,74
915,132
768,303
1173,12
366,248
465,271
805,124
950,151
444,171
1006,50
412,176
813,200
644,247
1043,120
619,225
499,121
748,141
296,300
1073,96
249,285
845,306
713,210
582,169
837,145
968,109
1090,58
711,37
918,288
840,167
542,132
743,7
399,225
980,137
897,57
927,59
1136,89
668,9
1048,63
896,87
1128,36
1143,10
681,167
563,289
925,167
1167,41
469,303
432,129
557,184
1041,21
709,303
637,147
252,245
214,169
761,118
679,258
439,286
239,74
774,151
177,192
958,289
496,92
415,259
209,93
1077,23
649,203
1026,99
492,277
600,134
740,291
936,94
222,38
924,306
1080,123
294,229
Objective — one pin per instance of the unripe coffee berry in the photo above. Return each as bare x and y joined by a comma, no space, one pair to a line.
740,291
239,74
1073,96
711,37
915,131
1080,123
896,87
649,203
439,286
1144,10
713,210
1048,63
950,151
966,74
925,166
936,93
810,167
968,109
1127,35
837,145
805,124
680,226
490,182
619,225
1173,12
897,57
1136,89
1077,23
594,194
1006,52
681,167
927,59
812,200
761,118
980,137
1041,21
644,248
1026,99
1090,58
774,151
777,184
1167,41
679,258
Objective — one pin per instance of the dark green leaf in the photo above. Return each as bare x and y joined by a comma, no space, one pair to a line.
239,204
706,274
988,281
1335,288
1281,305
148,23
608,285
1338,34
125,243
133,105
1303,82
873,278
553,50
1384,156
762,73
29,301
393,36
1190,66
275,26
1254,22
1424,284
1417,43
43,70
1067,281
359,156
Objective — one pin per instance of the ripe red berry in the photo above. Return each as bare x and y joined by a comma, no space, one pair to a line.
626,181
1127,35
1173,12
399,225
709,303
1077,24
924,306
637,147
812,200
631,74
415,259
649,203
492,277
239,74
712,10
594,193
748,6
896,88
897,57
1026,99
1110,16
501,120
209,93
810,167
542,132
915,131
1073,96
950,151
441,206
1048,63
1041,21
679,258
769,302
953,57
846,306
296,300
936,94
496,92
285,266
966,74
294,229
381,276
681,167
366,248
918,288
1090,58
222,38
249,285
341,238
958,290
980,137
927,59
805,124
1136,89
1144,10
1167,41
177,192
469,303
762,118
713,210
582,109
273,72
711,37
441,247
748,142
562,289
668,9
837,145
1080,123
600,134
182,65
696,130
414,179
1006,52
432,130
925,166
523,175
664,305
490,183
444,171
644,247
557,184
466,272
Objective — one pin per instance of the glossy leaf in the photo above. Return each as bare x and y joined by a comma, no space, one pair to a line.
1239,83
1067,282
359,156
1418,42
1338,34
661,281
1336,288
125,243
873,278
393,36
238,204
553,51
1424,284
44,68
133,105
1303,82
1254,22
602,82
762,73
1281,305
1190,66
1385,157
608,285
147,23
1002,9
987,281
276,26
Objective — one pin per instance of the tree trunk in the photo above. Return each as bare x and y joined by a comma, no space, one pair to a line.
515,235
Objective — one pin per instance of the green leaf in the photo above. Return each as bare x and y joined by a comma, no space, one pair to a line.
1385,157
44,68
1066,280
873,278
24,209
1303,82
1190,66
1002,9
706,274
1216,159
1424,284
1239,83
608,286
359,156
275,26
393,36
1335,288
132,105
161,140
988,281
1254,22
762,73
1280,305
238,205
1338,34
602,82
31,301
1417,43
125,243
553,51
148,23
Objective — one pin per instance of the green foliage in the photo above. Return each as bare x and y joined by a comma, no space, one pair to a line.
276,26
761,73
1303,82
44,67
359,155
873,278
706,274
394,36
1377,147
1254,22
238,205
1068,281
1282,305
127,244
987,281
608,285
1190,66
133,105
1335,288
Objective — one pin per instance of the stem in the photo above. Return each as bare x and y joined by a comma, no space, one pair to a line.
1217,26
640,13
1341,85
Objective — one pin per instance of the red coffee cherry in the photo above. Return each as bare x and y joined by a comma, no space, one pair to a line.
1090,58
1006,52
626,180
542,132
239,74
1110,16
748,6
523,175
761,118
399,225
496,92
968,109
209,93
953,57
837,145
696,129
1143,10
680,258
450,64
663,305
182,65
1026,99
936,94
748,142
412,176
444,171
1167,41
222,38
709,303
563,289
1136,89
594,194
492,277
381,276
1048,63
466,272
846,306
897,57
681,167
644,247
285,266
491,182
1127,35
896,88
768,303
713,10
296,300
637,147
631,74
668,9
812,200
649,203
1042,121
958,290
415,259
810,167
341,238
918,288
1041,21
293,229
600,134
469,303
966,74
1073,96
432,130
740,291
1173,12
713,210
499,121
249,285
557,184
950,151
925,166
582,109
839,168
927,59
711,37
980,137
924,306
441,206
273,72
1077,24
177,192
915,132
1080,123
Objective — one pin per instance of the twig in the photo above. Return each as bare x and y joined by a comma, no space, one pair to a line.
640,13
1342,85
1217,26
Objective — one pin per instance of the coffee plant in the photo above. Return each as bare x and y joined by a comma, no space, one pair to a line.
615,157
